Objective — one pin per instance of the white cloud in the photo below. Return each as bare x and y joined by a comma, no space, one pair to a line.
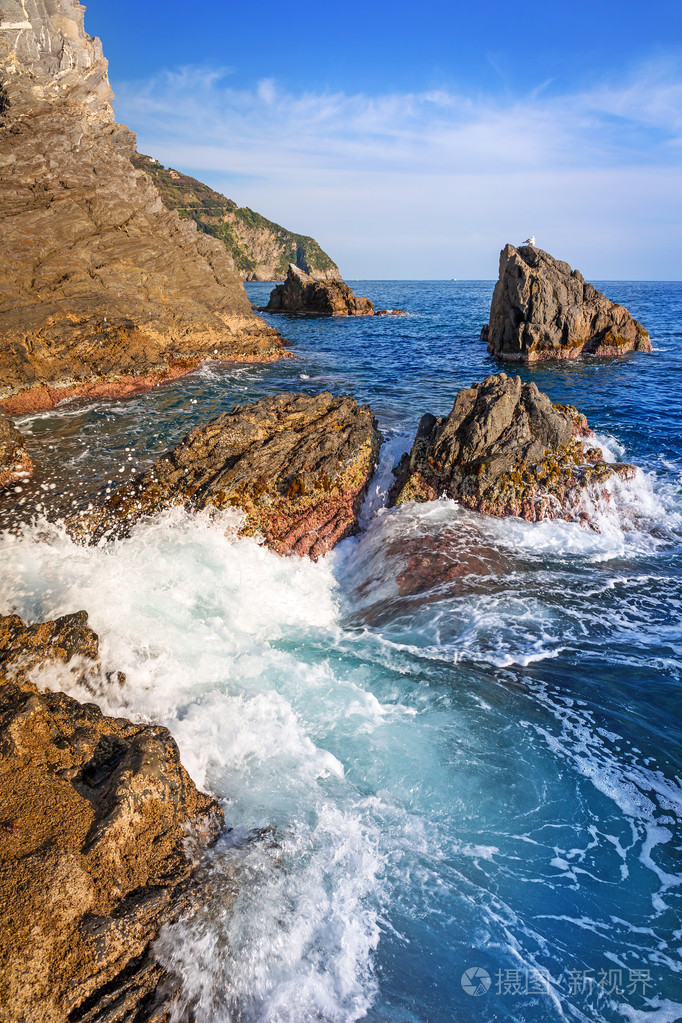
432,184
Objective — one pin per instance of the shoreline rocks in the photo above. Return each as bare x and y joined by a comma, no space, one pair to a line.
102,286
296,465
506,449
100,829
543,309
15,461
303,296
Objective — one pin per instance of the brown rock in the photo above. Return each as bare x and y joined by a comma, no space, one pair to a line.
505,449
542,309
101,283
297,465
99,827
304,296
15,461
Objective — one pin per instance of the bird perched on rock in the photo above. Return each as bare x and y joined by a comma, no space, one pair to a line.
530,241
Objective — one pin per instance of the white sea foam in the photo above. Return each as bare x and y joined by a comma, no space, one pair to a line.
267,671
195,619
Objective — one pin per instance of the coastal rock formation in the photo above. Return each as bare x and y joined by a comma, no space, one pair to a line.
542,309
15,461
260,250
104,291
505,449
302,295
297,465
100,825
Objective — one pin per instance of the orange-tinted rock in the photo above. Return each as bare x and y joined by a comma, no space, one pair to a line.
297,465
15,461
100,283
99,828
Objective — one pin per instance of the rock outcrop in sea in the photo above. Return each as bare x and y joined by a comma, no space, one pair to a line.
100,827
296,465
260,249
15,461
506,449
542,309
304,296
103,291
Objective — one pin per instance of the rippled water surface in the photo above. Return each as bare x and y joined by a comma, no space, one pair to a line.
465,732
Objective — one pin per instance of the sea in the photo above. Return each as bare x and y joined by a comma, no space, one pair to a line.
449,752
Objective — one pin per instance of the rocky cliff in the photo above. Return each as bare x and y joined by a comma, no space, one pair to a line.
296,465
103,290
506,449
260,249
100,826
542,309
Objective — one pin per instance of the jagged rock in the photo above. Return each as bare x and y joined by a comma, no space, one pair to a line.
297,465
103,290
260,250
542,309
100,826
302,295
505,449
15,461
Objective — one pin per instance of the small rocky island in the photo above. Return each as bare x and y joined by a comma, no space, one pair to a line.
296,465
543,309
505,449
303,295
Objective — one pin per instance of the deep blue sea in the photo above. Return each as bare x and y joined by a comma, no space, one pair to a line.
465,732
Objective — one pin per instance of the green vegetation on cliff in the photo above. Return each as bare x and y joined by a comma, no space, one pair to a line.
261,250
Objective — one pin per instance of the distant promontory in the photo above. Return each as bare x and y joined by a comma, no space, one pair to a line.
260,249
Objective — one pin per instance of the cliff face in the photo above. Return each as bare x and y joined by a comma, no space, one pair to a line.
542,309
260,250
104,290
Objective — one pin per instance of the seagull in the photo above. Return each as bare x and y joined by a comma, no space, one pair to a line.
530,241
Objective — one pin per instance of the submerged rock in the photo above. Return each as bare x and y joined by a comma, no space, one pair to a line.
100,826
103,290
505,449
305,296
297,465
542,309
15,461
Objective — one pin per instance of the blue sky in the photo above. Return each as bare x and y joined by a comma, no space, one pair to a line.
415,140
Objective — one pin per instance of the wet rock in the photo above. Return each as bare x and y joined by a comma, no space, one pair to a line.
505,449
542,309
104,291
100,827
305,296
297,465
15,461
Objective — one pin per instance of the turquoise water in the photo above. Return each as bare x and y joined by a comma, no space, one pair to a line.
464,732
